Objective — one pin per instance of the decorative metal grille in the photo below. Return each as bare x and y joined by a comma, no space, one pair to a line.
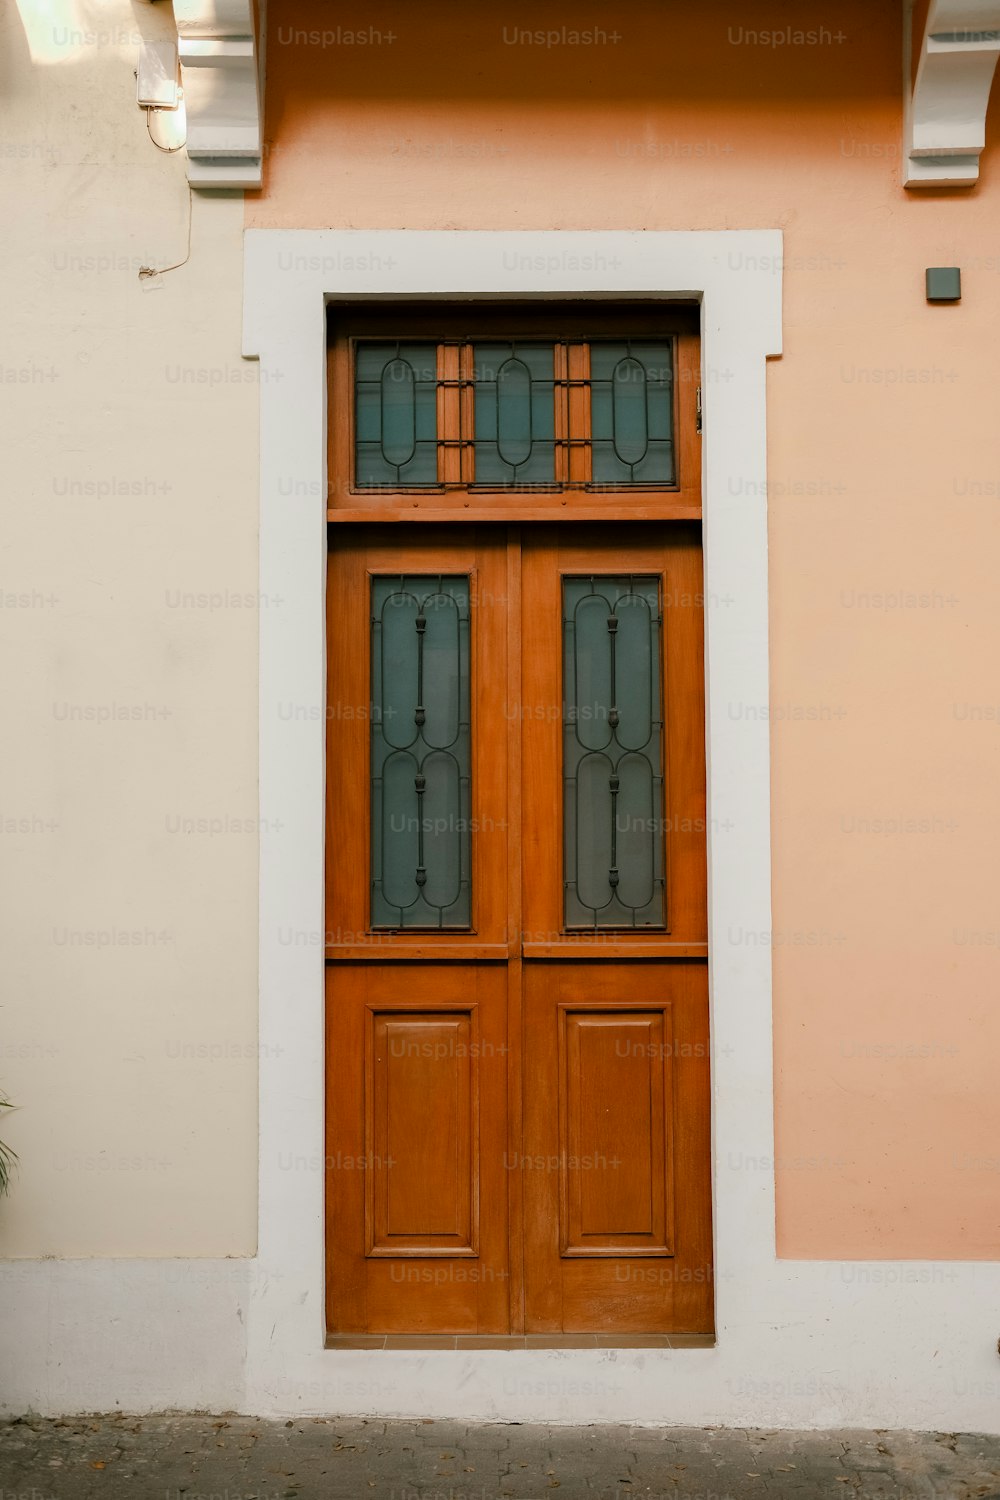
520,414
420,752
514,389
614,832
631,385
395,415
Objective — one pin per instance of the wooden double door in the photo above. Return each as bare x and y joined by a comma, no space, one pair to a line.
518,1115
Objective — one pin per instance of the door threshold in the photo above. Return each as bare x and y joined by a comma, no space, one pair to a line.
520,1341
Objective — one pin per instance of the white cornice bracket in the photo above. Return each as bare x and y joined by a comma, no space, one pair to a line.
945,114
220,75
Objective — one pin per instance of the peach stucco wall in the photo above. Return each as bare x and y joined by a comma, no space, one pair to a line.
884,515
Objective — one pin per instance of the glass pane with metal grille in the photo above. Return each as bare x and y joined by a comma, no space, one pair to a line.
515,414
395,415
631,412
613,820
421,852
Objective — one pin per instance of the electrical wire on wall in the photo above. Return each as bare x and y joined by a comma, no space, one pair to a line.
175,112
168,150
146,272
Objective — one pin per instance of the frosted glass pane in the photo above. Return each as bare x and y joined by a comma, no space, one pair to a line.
632,412
395,415
515,414
421,854
613,753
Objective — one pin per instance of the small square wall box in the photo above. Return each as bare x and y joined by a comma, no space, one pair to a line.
944,284
156,75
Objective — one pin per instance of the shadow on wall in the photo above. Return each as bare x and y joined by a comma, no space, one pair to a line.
632,51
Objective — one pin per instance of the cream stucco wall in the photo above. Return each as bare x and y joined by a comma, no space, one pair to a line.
128,655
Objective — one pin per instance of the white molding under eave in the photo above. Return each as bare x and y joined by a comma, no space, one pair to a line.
945,111
221,77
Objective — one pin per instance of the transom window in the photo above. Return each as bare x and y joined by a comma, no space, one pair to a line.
518,414
502,411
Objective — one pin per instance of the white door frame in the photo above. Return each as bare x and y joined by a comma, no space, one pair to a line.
290,275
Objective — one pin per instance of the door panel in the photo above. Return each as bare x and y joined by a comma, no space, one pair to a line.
617,1200
356,916
518,1135
617,1211
416,1207
614,1148
556,556
422,1132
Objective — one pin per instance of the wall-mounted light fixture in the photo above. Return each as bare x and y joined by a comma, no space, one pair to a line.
157,79
203,88
158,91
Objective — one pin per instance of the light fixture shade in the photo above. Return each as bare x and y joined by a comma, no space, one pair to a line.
156,85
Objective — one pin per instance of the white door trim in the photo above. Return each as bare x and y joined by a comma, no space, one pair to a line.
289,276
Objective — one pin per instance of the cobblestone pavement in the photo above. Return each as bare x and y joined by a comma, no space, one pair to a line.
239,1458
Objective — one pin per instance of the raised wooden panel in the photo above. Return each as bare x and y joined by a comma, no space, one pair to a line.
616,1066
417,1121
422,1133
615,1148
